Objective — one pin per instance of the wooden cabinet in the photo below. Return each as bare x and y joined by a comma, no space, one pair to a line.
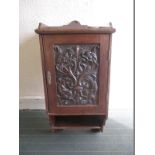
76,69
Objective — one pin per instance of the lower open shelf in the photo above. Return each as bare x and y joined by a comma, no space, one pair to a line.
87,122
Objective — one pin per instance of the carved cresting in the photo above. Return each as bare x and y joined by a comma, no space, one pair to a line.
77,73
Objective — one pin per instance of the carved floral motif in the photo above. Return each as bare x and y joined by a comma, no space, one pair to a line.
76,73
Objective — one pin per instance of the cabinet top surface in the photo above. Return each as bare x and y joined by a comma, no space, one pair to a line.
73,27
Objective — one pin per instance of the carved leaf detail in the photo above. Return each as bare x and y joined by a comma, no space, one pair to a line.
76,73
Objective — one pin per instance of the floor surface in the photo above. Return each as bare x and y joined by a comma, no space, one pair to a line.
36,138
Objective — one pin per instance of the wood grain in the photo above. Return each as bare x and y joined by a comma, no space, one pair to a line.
80,36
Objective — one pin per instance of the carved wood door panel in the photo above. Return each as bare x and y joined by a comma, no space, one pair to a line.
79,73
76,67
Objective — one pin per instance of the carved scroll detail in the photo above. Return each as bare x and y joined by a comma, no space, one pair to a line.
76,73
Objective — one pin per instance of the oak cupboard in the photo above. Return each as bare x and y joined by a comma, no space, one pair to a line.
76,70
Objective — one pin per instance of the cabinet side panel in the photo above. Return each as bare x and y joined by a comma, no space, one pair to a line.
109,67
104,71
44,71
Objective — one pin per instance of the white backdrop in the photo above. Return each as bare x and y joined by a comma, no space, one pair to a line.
88,12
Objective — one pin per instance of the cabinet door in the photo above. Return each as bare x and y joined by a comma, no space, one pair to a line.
77,73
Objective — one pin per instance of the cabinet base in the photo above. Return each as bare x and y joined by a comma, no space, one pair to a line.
93,122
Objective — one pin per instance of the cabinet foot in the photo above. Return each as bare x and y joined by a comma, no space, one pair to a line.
97,130
57,130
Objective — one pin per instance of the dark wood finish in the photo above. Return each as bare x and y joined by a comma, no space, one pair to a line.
73,27
76,70
76,67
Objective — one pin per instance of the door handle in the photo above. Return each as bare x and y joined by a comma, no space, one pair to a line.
49,77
